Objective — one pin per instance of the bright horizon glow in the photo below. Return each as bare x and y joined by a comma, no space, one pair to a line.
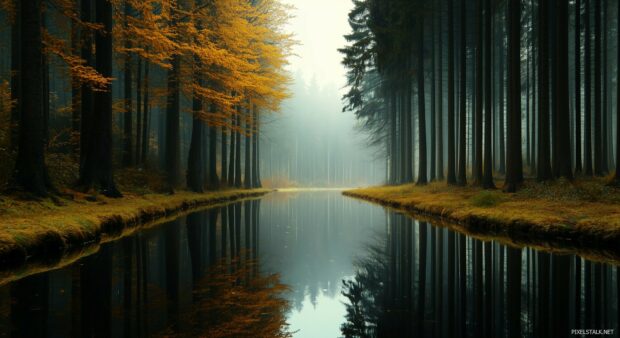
319,27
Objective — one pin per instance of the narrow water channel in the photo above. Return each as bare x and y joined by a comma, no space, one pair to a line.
350,268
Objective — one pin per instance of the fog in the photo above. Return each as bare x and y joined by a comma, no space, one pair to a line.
311,142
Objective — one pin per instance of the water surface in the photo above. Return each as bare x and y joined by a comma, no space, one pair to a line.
351,269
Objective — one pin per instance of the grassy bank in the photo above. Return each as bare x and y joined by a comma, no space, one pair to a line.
583,214
50,229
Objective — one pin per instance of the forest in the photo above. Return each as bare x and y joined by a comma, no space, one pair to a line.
324,168
168,92
477,91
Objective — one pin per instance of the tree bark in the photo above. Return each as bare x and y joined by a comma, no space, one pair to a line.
587,132
451,178
145,117
477,165
462,142
578,167
30,169
487,180
544,161
173,167
422,164
563,112
514,160
127,114
598,155
98,157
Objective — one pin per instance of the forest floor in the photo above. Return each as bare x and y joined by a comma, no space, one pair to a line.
581,213
48,229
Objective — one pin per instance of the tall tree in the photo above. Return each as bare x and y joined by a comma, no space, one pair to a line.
451,151
30,169
477,131
98,167
514,160
487,180
462,163
587,128
439,114
578,167
422,164
563,118
616,180
544,157
127,114
598,148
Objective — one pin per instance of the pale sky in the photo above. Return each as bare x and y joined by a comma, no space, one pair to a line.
319,26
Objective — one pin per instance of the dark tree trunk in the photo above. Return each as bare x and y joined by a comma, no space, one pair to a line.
451,155
587,128
237,182
578,167
139,118
502,101
544,160
195,159
231,164
75,93
145,117
213,181
439,115
86,109
598,155
247,175
487,180
563,113
462,142
433,127
422,173
98,158
224,154
604,120
16,59
30,170
255,144
173,145
477,165
127,115
514,162
616,180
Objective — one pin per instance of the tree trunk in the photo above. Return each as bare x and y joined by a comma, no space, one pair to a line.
231,164
224,154
563,113
127,114
598,155
578,167
422,174
172,125
451,155
247,175
145,117
30,170
616,180
98,156
255,159
462,165
139,118
514,161
587,132
237,182
195,159
477,165
544,161
16,59
213,181
439,114
487,180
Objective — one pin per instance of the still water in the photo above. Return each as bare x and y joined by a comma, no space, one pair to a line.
311,264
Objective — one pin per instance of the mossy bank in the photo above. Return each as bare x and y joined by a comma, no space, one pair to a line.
584,214
48,230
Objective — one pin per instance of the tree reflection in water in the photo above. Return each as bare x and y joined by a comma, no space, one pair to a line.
419,280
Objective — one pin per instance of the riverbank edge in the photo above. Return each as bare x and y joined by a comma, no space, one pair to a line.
512,232
48,243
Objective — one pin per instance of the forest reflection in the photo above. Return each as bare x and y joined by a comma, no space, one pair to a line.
427,281
196,276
